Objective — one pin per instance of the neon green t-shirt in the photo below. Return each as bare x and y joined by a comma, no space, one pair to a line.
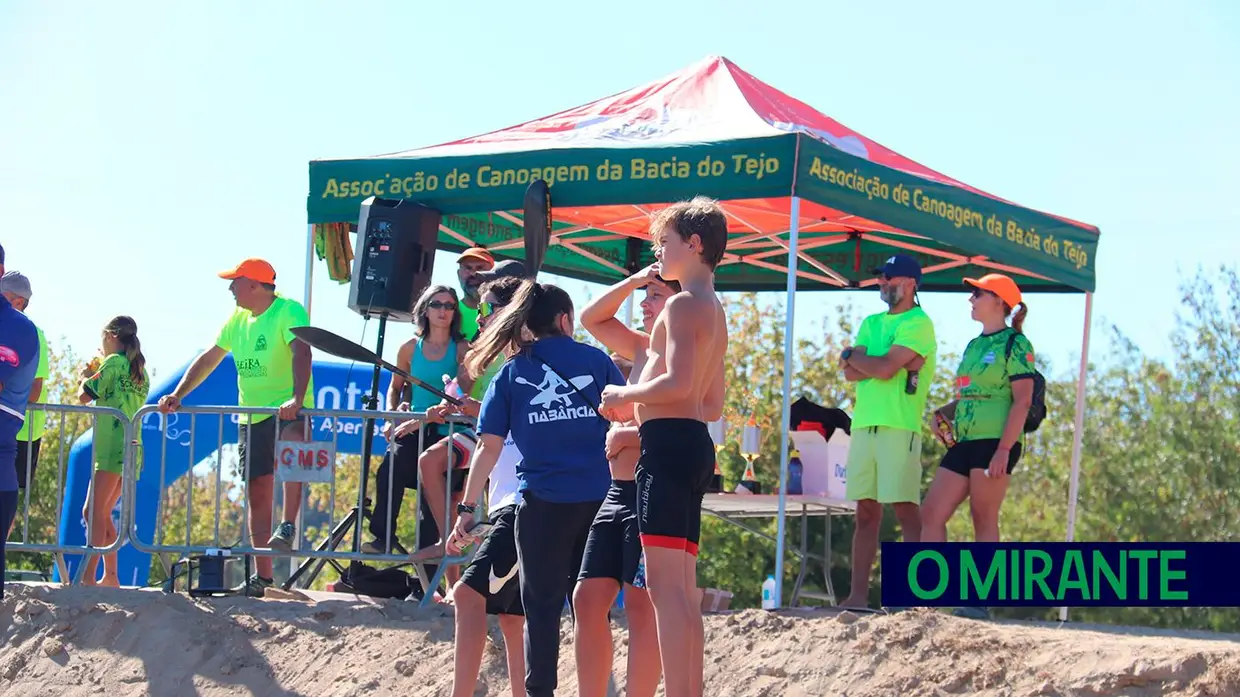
260,348
32,428
884,402
484,380
114,387
469,320
984,383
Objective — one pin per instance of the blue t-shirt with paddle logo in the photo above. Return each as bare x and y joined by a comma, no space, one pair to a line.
547,398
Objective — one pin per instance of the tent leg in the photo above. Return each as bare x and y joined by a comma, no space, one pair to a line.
309,289
785,418
307,293
628,311
1078,431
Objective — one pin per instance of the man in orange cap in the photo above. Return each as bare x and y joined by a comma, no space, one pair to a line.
273,370
472,262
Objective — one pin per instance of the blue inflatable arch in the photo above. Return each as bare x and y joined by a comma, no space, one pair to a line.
337,386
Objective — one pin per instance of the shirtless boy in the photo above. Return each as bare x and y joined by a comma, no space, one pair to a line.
679,391
613,550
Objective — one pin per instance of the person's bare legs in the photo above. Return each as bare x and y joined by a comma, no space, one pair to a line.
433,466
261,493
644,665
668,579
985,498
697,632
104,487
947,492
111,574
592,644
299,432
513,628
909,516
869,519
470,641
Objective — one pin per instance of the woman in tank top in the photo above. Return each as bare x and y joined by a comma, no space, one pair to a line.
437,350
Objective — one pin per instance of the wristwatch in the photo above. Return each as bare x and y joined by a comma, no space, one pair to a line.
463,508
847,353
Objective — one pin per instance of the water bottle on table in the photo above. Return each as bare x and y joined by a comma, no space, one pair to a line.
795,472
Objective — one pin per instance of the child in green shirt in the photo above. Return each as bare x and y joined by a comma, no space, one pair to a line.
116,379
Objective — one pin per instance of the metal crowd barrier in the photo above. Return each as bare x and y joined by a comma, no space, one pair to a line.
65,430
171,427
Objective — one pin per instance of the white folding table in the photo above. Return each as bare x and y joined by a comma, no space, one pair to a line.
736,508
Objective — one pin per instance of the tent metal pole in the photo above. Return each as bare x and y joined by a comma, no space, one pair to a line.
628,312
307,294
1078,431
785,418
309,289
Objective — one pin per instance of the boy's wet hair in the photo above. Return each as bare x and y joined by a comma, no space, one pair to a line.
699,216
673,285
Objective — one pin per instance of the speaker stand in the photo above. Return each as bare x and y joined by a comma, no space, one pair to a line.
357,517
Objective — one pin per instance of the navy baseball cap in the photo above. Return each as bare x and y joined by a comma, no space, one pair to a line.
900,266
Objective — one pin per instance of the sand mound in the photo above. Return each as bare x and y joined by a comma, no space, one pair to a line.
87,641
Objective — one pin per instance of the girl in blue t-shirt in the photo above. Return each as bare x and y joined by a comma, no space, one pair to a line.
546,396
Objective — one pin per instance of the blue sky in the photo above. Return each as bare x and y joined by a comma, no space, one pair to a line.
147,146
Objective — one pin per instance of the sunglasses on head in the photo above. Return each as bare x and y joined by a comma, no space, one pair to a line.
439,305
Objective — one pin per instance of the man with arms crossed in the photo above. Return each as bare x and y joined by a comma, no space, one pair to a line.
273,370
613,550
893,366
680,390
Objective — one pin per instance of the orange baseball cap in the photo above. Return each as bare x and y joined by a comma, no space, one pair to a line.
1000,285
479,253
253,269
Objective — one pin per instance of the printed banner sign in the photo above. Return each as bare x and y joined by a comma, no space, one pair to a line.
313,463
1057,574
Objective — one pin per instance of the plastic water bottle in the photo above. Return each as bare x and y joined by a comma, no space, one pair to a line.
795,470
768,593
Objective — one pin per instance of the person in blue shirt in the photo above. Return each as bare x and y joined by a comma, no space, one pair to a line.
546,395
19,358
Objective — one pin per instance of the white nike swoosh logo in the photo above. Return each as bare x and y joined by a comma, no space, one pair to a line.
498,583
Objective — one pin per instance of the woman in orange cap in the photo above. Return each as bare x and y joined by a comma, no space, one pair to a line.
994,391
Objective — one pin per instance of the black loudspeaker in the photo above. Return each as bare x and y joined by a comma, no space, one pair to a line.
394,257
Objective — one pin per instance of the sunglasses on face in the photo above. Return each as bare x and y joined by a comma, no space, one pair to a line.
437,305
486,309
979,293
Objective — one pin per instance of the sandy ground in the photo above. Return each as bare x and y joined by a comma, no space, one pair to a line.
97,641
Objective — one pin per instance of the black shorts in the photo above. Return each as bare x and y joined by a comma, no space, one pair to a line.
262,438
969,455
614,547
673,474
493,571
27,451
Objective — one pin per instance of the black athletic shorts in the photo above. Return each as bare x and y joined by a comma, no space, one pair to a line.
969,455
673,474
493,571
614,547
262,444
27,451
